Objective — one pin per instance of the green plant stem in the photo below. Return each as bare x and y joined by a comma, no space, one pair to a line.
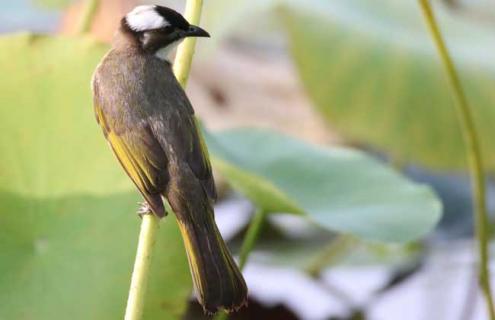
88,15
332,252
474,156
149,226
251,236
247,246
185,51
139,280
222,315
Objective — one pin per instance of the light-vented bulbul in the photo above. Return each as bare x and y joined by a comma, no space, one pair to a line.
150,125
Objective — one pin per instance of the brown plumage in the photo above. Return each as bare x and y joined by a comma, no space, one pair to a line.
149,122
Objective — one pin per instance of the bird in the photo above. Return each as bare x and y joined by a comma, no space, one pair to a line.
151,128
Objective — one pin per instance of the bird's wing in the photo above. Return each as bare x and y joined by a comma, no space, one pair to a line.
141,156
199,159
177,129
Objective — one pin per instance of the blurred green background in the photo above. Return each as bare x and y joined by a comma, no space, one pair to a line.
332,117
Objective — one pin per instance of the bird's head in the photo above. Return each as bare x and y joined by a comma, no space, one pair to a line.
158,30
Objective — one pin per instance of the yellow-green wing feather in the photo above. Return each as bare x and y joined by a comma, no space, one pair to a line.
142,158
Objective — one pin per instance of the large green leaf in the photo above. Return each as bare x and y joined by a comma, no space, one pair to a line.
340,189
302,252
71,258
371,68
68,227
51,144
294,241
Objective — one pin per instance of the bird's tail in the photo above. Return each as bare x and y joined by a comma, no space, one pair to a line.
217,279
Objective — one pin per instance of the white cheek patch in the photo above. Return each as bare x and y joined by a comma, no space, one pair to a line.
144,18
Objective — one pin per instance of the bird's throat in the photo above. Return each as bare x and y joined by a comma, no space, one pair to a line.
165,53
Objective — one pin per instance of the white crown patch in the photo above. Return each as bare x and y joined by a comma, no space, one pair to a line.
143,18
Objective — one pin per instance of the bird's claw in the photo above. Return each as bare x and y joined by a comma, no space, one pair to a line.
144,208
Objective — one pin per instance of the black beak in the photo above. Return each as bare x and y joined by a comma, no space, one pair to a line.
195,31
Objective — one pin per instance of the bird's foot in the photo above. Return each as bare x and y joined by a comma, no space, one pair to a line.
144,208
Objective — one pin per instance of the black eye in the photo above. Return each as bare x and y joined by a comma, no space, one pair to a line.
155,39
